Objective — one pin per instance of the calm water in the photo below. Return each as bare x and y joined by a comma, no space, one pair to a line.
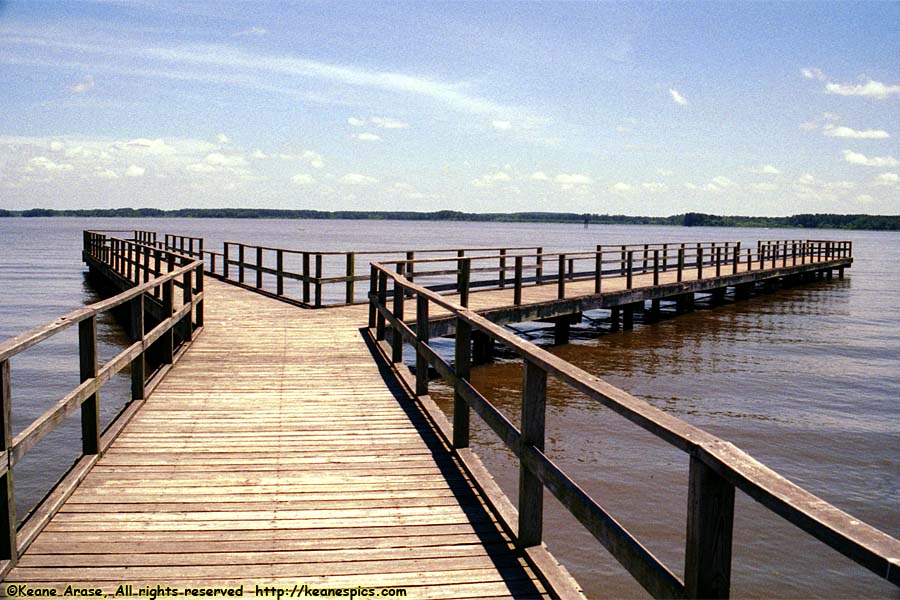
805,379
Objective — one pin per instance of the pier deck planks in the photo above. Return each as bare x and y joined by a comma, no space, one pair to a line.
276,452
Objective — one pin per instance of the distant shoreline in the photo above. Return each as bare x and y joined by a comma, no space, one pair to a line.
802,221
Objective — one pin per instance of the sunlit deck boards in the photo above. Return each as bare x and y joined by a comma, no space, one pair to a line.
275,452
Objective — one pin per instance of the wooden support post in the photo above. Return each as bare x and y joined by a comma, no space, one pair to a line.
240,263
318,287
561,277
373,291
351,273
168,338
138,365
465,272
517,285
90,409
531,490
699,262
279,272
8,547
259,267
561,329
306,278
710,518
482,348
629,270
680,276
628,317
614,318
502,268
422,336
382,302
655,267
396,333
539,266
598,269
463,370
410,271
840,272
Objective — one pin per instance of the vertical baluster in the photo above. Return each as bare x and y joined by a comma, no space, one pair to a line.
598,269
502,273
351,273
655,267
382,303
318,287
539,268
531,490
240,263
710,518
90,408
259,267
225,261
396,333
561,277
680,275
737,258
462,369
373,291
279,272
306,278
422,336
8,548
517,286
168,338
464,275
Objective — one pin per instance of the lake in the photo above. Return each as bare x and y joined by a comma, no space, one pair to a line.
805,379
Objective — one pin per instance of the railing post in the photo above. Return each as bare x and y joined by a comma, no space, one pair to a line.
655,267
198,309
749,260
168,338
710,518
422,336
531,490
737,258
465,273
629,270
502,274
462,368
8,547
138,391
699,262
279,272
646,256
240,263
306,277
397,334
187,296
794,253
410,270
351,273
318,280
774,254
761,251
129,260
90,409
382,303
624,257
459,256
373,291
259,267
539,266
157,264
517,287
225,260
598,269
665,257
719,261
680,265
561,277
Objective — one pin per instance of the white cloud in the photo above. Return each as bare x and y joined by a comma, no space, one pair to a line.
874,161
386,123
621,187
765,186
846,132
355,122
217,159
573,179
767,170
135,171
314,159
157,146
357,179
46,164
222,138
105,174
653,186
811,73
259,154
501,125
539,176
806,179
690,186
721,181
869,89
887,179
303,179
368,137
491,178
865,198
256,31
82,86
201,168
677,98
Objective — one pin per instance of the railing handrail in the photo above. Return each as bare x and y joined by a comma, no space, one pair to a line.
716,465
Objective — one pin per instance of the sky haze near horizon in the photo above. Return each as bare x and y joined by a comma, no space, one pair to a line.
635,108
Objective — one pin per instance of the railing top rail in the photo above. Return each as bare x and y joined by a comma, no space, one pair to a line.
22,342
863,543
158,245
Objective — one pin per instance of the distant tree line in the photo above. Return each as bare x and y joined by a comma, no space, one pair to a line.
805,221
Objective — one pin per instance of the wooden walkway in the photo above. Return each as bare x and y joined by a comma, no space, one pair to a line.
295,461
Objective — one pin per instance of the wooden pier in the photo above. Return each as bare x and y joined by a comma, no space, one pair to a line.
268,444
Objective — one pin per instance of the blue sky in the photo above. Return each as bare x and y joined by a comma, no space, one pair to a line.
636,108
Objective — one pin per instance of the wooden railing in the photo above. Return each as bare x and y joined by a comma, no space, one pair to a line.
717,467
168,336
458,270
